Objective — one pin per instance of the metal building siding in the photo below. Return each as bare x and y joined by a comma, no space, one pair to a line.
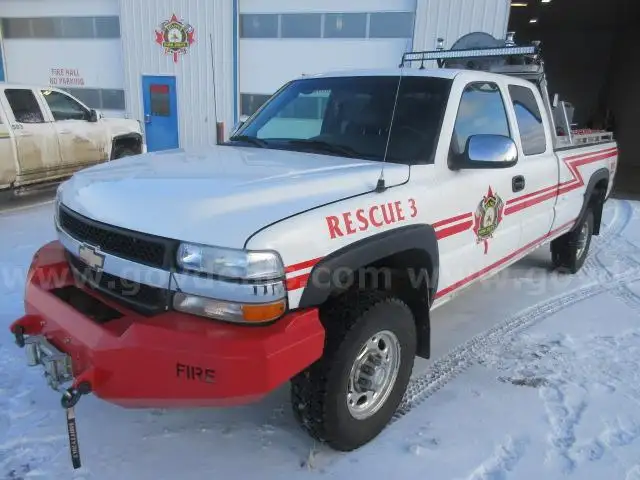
139,20
450,19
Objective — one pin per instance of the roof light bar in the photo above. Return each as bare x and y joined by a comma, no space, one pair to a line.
475,53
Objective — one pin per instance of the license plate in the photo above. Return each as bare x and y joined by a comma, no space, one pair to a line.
56,364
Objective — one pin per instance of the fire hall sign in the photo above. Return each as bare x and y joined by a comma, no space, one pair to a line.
175,36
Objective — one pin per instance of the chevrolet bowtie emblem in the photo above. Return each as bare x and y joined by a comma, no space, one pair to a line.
91,256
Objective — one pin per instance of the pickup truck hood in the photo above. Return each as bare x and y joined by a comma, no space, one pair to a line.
219,197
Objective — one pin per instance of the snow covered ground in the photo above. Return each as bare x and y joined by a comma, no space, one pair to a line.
534,375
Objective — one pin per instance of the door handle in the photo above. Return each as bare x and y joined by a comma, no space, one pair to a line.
518,183
147,118
64,132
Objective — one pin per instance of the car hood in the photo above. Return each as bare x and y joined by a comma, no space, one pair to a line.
221,196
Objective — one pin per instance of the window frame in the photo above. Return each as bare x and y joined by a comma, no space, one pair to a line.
35,97
86,109
517,123
504,105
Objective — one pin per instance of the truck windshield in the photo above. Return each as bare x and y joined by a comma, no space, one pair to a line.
351,116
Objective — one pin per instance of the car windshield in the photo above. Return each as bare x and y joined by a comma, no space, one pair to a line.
351,116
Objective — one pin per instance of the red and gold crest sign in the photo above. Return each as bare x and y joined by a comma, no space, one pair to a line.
175,36
487,218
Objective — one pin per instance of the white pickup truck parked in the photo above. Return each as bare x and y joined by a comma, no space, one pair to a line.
46,135
313,245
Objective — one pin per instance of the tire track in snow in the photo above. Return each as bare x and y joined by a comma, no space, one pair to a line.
462,357
625,211
622,216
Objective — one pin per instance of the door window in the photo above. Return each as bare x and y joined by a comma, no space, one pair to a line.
160,100
24,105
481,111
64,107
529,120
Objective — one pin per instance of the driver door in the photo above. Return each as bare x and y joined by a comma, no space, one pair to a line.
82,142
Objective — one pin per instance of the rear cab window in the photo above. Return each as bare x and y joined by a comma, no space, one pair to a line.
529,119
24,105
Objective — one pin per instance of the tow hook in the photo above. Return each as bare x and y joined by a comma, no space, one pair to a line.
71,396
69,400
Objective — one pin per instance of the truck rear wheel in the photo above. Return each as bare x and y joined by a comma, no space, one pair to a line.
347,397
571,249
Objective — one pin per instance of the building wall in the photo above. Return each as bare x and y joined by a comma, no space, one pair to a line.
281,54
451,19
214,24
72,44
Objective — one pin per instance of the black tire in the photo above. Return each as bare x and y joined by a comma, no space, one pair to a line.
569,251
122,152
319,394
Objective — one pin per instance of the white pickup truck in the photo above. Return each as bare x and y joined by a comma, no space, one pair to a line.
312,246
46,135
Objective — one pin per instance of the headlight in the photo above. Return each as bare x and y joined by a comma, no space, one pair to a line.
230,263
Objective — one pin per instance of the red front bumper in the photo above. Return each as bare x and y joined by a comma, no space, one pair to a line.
171,359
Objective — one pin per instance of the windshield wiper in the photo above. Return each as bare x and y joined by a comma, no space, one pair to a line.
252,140
326,147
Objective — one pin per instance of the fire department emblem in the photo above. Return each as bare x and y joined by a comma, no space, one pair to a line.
175,36
487,218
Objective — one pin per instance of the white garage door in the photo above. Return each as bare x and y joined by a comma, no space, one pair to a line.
283,39
73,45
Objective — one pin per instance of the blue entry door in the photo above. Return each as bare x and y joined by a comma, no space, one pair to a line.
160,112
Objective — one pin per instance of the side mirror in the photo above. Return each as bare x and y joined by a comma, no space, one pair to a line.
487,151
94,115
556,100
236,127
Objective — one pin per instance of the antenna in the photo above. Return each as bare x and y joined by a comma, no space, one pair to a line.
381,187
219,126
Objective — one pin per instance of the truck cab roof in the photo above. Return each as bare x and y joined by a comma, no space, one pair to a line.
447,73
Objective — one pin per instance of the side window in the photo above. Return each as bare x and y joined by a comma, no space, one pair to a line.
24,105
529,120
63,107
481,111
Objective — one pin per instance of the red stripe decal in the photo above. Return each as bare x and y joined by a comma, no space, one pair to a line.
447,232
301,265
297,282
500,262
452,220
577,181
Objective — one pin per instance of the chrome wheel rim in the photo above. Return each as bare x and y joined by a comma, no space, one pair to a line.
373,374
582,239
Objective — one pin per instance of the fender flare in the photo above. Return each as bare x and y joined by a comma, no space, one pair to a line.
598,175
367,251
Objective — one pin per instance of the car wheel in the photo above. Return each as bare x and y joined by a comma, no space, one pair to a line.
347,397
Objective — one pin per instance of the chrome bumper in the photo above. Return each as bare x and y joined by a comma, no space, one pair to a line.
57,365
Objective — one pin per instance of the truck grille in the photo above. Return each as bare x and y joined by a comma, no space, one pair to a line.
140,298
137,247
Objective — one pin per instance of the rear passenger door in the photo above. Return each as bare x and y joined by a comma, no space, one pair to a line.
36,142
532,204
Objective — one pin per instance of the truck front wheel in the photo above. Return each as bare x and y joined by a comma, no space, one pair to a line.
348,396
571,249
